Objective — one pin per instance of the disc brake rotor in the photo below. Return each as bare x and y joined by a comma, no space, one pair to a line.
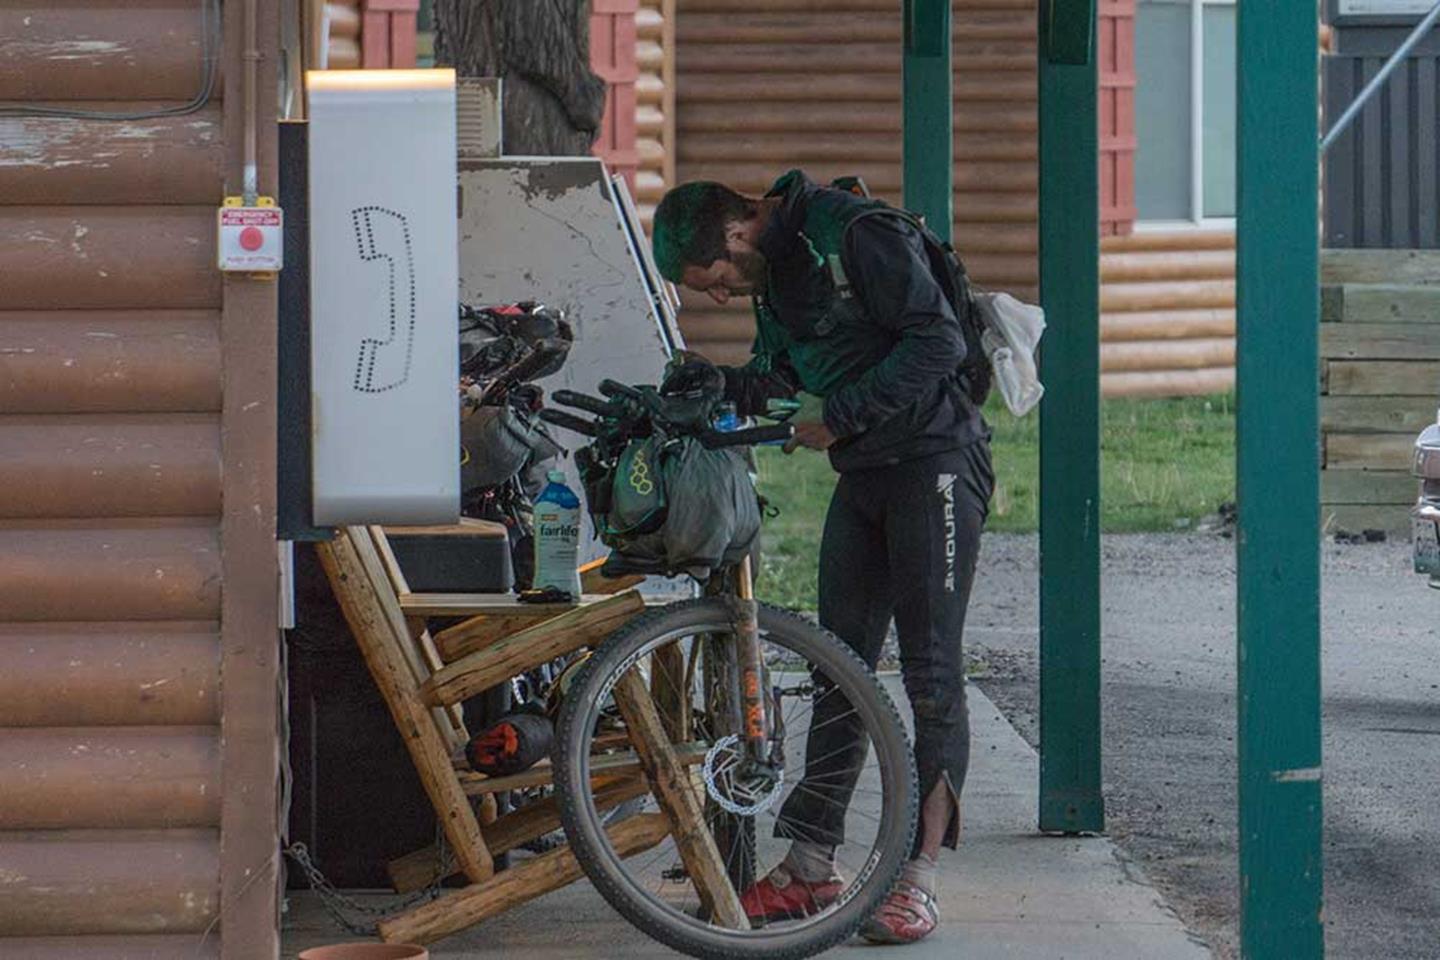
730,787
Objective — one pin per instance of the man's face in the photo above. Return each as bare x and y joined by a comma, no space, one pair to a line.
739,276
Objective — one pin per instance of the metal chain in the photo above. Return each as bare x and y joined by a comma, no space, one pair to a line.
360,918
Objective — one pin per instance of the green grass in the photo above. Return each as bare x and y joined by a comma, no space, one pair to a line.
1164,464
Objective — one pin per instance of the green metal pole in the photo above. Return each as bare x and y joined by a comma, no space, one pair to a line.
929,146
1277,467
1070,799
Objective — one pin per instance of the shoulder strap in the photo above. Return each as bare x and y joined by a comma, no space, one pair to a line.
949,272
940,251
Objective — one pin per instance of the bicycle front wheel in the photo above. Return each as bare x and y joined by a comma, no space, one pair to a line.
840,774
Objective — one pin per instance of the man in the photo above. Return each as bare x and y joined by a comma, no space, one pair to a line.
849,308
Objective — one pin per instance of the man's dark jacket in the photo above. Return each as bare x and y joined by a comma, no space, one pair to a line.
873,334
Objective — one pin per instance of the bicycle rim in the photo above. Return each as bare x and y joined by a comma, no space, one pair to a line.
817,682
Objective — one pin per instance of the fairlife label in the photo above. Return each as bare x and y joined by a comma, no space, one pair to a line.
557,547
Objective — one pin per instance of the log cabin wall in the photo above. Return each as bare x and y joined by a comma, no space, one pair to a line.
732,90
370,34
343,37
654,103
139,749
763,85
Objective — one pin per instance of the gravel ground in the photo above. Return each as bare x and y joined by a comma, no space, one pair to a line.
1169,725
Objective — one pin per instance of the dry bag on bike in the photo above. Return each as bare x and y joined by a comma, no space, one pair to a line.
497,443
672,507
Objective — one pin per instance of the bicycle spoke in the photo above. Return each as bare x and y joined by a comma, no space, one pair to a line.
800,787
829,737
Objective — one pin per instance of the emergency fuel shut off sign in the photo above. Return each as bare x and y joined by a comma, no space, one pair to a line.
251,238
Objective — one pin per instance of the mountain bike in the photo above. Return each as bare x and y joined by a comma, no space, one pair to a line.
738,686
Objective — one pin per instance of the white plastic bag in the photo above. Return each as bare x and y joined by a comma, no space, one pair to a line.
1012,332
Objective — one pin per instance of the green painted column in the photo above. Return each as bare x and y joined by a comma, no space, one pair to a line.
929,147
1277,467
1070,799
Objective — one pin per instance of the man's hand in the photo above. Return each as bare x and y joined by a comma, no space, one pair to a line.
815,436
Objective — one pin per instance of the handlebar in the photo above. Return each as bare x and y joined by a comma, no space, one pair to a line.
580,401
714,439
614,388
629,413
569,421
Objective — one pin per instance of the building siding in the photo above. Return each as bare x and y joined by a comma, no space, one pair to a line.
134,482
763,85
1382,176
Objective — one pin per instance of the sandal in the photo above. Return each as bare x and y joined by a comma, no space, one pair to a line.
907,915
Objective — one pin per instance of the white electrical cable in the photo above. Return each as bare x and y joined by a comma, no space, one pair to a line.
210,49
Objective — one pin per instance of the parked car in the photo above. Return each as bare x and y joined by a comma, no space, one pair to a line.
1425,518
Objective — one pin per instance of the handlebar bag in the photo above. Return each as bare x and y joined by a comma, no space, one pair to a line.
638,502
703,510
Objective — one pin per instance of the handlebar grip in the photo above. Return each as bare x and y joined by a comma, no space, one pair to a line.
614,388
569,421
714,439
587,403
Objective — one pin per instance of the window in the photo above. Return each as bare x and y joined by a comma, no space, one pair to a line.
1185,110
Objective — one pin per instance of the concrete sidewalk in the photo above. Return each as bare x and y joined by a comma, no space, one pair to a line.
1008,893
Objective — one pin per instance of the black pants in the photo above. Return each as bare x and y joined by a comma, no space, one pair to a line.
899,542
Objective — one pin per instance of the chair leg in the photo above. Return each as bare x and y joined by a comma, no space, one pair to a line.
380,642
674,789
417,870
510,888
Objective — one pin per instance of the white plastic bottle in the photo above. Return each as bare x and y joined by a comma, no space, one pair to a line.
557,537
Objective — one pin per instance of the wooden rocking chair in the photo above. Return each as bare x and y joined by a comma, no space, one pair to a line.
424,680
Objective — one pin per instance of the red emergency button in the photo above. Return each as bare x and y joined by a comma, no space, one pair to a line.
251,238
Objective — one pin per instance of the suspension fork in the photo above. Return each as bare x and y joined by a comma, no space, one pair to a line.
754,698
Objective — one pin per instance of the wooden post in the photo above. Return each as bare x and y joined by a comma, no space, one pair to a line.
416,871
371,551
379,643
481,631
671,783
928,124
430,657
1277,480
510,888
667,687
1070,798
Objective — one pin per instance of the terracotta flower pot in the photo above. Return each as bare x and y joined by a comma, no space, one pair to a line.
366,951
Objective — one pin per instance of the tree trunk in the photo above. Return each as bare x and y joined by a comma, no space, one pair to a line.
552,102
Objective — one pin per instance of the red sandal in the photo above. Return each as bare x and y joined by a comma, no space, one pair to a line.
907,915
